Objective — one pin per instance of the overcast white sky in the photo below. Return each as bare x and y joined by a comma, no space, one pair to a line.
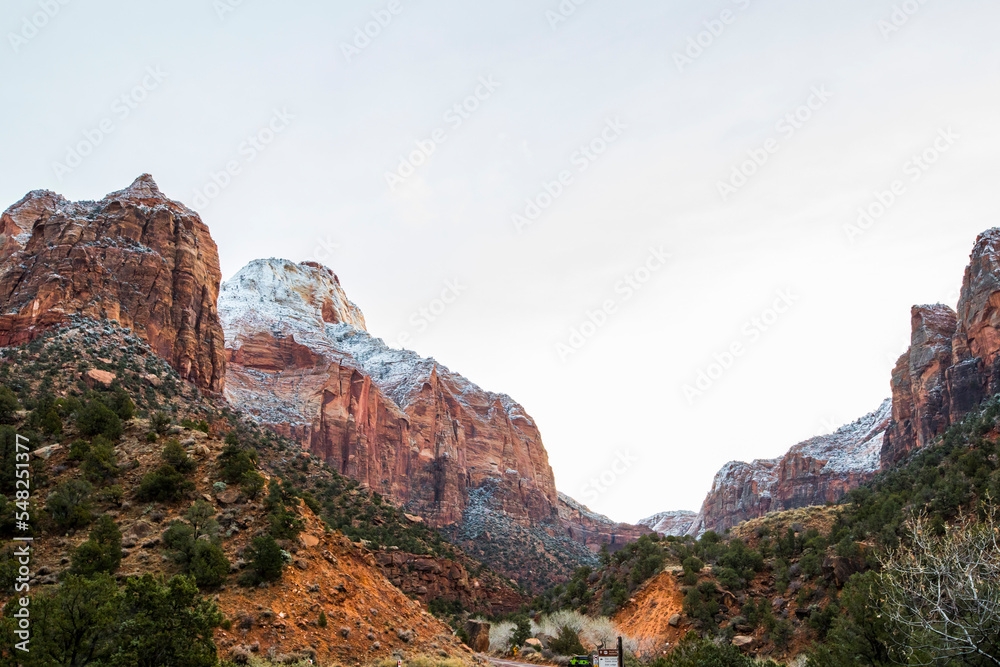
556,85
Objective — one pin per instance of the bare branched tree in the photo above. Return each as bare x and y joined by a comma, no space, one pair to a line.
942,592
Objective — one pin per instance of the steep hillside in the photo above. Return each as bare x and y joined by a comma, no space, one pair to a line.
156,450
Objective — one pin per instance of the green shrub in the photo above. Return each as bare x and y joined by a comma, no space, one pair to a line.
78,450
99,463
102,552
160,423
95,418
9,406
122,404
696,652
522,631
266,561
175,455
164,484
693,564
69,504
567,643
235,462
166,623
252,483
46,416
209,565
112,494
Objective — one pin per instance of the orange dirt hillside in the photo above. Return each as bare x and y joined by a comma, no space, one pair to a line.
366,616
646,616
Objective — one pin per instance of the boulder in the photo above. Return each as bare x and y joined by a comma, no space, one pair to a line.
479,635
95,377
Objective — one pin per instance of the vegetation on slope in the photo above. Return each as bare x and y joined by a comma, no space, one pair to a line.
138,450
839,580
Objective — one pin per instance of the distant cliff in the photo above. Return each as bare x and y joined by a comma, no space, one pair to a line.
813,472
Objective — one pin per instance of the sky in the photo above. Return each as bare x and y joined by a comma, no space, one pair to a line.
679,233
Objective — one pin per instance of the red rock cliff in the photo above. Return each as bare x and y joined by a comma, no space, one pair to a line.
407,427
953,362
135,257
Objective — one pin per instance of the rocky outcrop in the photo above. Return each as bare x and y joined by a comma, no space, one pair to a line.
920,393
817,471
674,523
302,362
953,362
135,257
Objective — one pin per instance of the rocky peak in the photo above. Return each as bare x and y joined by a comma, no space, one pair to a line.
298,298
142,188
134,257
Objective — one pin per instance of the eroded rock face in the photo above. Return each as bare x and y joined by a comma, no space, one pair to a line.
920,392
674,523
135,257
813,472
953,362
407,427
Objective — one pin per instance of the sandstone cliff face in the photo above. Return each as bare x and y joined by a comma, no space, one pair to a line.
407,427
135,257
920,393
813,472
953,362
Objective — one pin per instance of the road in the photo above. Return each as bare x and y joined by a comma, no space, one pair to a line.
508,663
